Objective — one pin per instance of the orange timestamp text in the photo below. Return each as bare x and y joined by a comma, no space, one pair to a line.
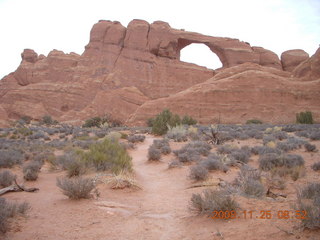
262,214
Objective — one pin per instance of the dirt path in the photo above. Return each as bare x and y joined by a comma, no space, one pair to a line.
157,212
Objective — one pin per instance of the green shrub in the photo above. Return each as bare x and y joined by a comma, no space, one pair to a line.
47,120
187,120
24,131
163,120
254,121
304,117
94,122
150,122
77,187
107,155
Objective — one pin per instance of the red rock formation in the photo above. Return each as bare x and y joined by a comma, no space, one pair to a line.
244,92
124,70
292,58
309,69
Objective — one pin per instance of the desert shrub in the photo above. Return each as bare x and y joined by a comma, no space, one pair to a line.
8,158
47,120
249,182
71,162
241,155
273,160
304,117
310,147
94,122
269,161
198,173
268,138
101,134
187,155
37,135
163,120
114,136
293,160
213,162
260,150
315,135
136,138
75,168
162,145
252,188
107,155
305,134
212,200
254,121
253,133
308,200
150,122
154,154
77,187
178,133
124,135
290,144
24,131
187,120
226,149
26,119
57,144
31,170
6,178
316,166
280,135
9,210
127,145
193,151
174,164
83,144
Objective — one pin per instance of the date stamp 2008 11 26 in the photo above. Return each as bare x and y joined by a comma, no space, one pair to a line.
263,214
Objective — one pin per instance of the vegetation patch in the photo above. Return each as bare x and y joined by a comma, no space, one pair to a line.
107,155
76,188
308,202
212,200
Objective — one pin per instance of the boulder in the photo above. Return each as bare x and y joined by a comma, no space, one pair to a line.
292,58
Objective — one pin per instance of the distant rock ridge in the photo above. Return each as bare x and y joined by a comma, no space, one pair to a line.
132,73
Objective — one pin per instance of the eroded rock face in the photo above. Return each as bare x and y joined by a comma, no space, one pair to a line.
124,70
238,94
309,69
292,58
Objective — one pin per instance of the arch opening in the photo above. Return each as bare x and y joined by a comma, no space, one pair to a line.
200,54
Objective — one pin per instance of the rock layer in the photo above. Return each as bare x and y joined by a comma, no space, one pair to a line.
134,72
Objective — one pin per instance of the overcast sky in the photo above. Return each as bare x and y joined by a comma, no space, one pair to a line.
43,25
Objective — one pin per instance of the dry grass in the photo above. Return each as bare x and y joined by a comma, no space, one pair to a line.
121,181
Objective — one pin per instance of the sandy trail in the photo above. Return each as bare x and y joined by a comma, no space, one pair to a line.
157,212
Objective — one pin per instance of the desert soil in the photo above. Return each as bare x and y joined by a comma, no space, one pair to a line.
159,211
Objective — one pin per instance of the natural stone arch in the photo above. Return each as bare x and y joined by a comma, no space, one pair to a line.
201,55
182,43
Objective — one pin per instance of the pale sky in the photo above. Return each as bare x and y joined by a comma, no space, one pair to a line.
43,25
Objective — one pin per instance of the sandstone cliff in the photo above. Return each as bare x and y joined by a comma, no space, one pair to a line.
133,73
